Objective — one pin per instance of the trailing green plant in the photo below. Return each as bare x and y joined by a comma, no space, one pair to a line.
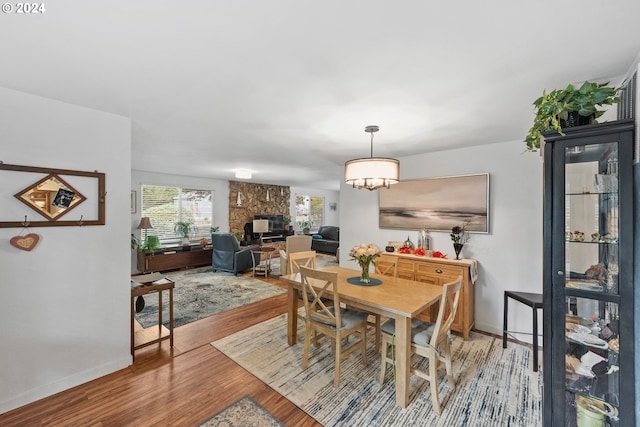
134,242
151,243
556,105
184,229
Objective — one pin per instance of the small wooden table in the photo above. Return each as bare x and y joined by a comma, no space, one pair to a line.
397,298
260,268
144,285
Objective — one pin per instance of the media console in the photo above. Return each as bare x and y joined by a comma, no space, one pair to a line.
174,258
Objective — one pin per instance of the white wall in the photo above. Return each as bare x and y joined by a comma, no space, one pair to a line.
510,255
66,304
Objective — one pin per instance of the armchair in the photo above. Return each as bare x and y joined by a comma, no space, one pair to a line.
228,256
297,243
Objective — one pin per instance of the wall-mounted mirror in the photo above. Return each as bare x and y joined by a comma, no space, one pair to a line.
51,197
51,193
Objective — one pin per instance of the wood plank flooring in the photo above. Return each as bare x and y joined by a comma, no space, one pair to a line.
183,386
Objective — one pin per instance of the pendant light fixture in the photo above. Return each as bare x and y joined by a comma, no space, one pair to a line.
373,172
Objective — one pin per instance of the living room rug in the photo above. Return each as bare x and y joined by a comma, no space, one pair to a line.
494,386
199,293
244,412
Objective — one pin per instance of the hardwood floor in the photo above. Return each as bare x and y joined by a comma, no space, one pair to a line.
183,386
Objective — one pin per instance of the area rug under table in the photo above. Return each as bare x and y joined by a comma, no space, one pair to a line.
495,386
201,293
243,413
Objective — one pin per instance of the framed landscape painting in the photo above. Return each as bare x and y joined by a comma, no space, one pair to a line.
437,204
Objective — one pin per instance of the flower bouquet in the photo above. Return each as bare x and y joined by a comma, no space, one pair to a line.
364,254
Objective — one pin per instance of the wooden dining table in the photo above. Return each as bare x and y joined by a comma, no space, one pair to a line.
400,299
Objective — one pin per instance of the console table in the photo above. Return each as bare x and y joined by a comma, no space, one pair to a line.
438,271
174,257
144,285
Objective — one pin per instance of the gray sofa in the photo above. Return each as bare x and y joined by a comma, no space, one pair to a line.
326,240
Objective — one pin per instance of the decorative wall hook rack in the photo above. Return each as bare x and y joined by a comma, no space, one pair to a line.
53,196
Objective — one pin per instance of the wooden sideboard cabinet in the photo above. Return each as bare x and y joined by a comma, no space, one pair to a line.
438,271
174,258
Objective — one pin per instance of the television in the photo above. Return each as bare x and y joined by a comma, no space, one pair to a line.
276,223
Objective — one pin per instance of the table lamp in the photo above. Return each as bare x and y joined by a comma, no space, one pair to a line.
145,224
260,226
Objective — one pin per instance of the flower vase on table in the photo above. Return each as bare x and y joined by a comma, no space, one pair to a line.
457,247
459,236
364,254
364,276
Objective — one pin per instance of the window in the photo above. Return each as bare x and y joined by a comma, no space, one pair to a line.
309,211
167,205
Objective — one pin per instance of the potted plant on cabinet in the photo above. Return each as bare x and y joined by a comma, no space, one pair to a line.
151,243
287,221
562,108
183,230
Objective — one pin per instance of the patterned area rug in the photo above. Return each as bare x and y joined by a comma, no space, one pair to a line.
495,386
243,413
200,293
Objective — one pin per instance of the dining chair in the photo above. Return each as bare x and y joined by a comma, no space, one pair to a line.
387,266
428,340
301,259
305,259
296,243
327,317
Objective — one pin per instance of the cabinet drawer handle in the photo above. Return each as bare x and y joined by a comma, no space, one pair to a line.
438,271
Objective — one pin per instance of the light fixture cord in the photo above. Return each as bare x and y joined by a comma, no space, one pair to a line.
371,144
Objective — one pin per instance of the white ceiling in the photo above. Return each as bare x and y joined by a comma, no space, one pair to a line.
285,87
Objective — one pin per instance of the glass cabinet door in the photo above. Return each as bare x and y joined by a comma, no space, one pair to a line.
590,279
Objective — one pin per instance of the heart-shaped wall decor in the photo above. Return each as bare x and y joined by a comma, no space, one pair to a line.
25,243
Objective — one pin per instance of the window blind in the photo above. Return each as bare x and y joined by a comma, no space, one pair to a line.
167,205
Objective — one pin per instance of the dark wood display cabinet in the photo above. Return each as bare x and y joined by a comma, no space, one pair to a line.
591,273
174,258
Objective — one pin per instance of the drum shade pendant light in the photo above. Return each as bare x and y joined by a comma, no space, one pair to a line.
373,172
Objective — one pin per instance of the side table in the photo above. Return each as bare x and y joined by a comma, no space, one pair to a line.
260,268
532,300
144,285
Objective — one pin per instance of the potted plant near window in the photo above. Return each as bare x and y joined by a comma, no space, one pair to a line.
306,226
183,230
287,221
562,108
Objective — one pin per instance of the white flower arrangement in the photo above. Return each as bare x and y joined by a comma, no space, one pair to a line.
365,253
